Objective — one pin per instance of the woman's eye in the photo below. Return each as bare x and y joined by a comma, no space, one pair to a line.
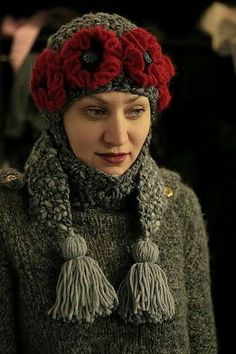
94,112
135,112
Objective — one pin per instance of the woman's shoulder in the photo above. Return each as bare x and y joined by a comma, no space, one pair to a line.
179,190
12,189
11,179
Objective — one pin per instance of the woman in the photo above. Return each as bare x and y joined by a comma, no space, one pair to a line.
102,251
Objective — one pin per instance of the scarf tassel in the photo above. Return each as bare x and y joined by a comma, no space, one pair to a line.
144,294
82,292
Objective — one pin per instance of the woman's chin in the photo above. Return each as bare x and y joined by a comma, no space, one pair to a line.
114,171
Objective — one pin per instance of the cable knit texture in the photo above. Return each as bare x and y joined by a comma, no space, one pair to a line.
30,256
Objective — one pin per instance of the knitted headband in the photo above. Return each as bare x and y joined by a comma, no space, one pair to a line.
99,52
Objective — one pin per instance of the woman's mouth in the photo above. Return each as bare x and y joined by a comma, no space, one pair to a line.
114,158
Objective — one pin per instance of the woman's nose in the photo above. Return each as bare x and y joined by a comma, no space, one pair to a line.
116,132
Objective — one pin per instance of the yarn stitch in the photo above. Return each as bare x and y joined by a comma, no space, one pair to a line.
93,57
99,53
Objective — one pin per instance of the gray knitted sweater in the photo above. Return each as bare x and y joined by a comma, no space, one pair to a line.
30,258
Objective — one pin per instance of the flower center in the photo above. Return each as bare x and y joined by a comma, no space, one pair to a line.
89,57
147,58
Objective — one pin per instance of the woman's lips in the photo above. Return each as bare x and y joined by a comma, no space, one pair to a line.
114,158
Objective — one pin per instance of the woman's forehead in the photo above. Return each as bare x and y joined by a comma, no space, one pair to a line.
114,96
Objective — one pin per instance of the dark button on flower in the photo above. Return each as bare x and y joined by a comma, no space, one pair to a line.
147,58
89,57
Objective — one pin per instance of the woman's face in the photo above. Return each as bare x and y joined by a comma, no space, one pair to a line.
107,130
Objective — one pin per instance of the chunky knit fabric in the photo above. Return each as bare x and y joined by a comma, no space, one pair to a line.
52,175
96,53
100,53
132,249
30,257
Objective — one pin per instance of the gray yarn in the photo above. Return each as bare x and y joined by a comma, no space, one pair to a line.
151,199
52,205
155,302
144,294
33,252
119,25
112,22
81,297
50,173
55,170
61,173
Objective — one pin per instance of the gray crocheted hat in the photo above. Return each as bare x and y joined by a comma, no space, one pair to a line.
100,52
97,53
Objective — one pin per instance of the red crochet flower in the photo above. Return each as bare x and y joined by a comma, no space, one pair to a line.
163,98
146,64
47,84
91,58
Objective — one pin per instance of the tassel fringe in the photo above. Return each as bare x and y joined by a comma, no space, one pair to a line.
144,295
83,292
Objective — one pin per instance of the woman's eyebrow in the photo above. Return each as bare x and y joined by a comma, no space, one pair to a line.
104,101
133,99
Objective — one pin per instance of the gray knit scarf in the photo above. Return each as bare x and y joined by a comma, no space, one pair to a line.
83,292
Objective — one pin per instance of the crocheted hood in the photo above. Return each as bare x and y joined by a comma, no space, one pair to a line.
99,53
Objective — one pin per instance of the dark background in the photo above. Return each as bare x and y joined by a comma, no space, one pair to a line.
195,136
